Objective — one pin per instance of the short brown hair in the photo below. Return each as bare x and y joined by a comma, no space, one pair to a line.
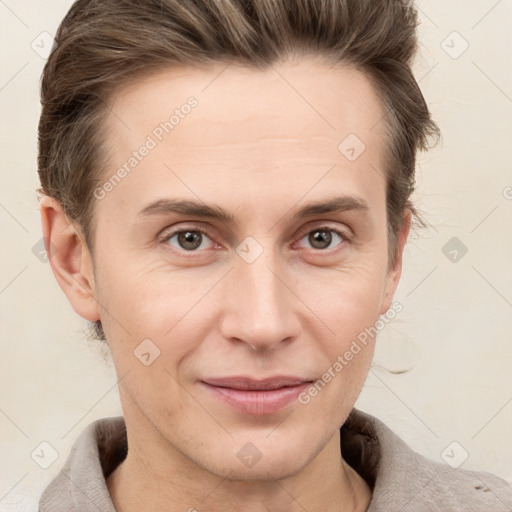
103,44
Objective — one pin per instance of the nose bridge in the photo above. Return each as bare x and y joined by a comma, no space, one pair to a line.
261,310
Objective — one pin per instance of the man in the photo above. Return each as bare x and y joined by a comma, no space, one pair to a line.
227,195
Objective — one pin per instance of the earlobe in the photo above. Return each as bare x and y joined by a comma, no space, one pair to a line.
69,258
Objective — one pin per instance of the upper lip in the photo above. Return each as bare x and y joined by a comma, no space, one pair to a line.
249,383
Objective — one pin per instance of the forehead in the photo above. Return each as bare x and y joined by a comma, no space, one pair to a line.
278,129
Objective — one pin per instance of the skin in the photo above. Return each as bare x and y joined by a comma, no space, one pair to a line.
260,150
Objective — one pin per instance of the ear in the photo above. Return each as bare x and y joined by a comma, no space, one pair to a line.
393,275
69,258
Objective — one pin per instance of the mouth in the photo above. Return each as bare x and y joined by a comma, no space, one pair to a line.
256,396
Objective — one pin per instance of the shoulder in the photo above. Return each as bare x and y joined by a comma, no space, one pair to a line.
81,484
407,481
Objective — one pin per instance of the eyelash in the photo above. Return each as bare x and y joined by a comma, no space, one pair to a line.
342,233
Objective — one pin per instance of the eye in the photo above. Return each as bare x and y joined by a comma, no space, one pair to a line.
187,239
322,238
193,239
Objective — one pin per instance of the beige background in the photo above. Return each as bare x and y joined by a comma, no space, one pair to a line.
454,330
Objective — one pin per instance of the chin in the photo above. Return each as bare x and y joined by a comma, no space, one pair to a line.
250,463
269,471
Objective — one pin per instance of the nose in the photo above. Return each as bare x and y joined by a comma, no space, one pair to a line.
260,305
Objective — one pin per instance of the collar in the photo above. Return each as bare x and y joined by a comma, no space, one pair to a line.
400,478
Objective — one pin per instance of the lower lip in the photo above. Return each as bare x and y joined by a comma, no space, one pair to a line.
257,402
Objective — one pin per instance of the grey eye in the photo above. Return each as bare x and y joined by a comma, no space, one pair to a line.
322,238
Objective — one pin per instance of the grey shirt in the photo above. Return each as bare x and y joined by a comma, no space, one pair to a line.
401,479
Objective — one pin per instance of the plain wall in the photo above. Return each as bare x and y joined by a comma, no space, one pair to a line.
453,332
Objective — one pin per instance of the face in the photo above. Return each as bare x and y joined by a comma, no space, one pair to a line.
211,262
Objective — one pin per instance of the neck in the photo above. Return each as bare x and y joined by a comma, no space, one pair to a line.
168,481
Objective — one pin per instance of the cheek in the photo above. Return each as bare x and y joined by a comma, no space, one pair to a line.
154,304
149,299
349,309
346,299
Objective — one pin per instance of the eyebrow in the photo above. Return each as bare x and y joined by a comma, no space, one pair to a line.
193,208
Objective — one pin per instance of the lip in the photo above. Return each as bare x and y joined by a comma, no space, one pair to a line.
258,397
250,384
